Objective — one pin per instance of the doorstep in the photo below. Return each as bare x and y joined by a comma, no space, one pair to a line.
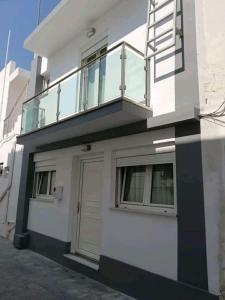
84,261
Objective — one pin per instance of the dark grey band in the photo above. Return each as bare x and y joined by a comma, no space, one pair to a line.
128,279
192,262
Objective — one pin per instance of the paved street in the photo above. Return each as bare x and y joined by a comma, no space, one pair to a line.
27,275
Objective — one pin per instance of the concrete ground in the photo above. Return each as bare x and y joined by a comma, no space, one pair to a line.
28,275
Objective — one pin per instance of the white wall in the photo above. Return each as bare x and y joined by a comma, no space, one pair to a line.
210,24
142,239
126,21
213,156
211,47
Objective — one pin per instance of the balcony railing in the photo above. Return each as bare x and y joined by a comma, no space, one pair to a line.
118,73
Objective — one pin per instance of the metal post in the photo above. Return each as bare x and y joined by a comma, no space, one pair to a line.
148,82
58,102
123,71
175,22
85,88
22,120
36,109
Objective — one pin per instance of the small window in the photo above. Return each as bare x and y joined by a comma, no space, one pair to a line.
133,182
1,169
149,186
44,183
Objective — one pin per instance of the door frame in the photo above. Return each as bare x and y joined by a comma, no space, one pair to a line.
78,176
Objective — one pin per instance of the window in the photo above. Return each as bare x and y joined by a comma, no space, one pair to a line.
133,182
44,184
162,191
1,169
145,184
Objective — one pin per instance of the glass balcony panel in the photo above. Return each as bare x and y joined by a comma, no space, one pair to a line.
104,79
92,84
134,76
95,84
48,107
30,116
110,79
70,96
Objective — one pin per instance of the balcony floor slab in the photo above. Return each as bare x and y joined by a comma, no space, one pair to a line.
111,115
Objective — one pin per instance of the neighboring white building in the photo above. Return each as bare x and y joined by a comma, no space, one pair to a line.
13,92
123,162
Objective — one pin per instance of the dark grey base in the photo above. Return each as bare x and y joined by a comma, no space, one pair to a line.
21,240
26,275
47,246
133,281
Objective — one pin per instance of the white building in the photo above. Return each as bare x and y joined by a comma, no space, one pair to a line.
123,162
13,88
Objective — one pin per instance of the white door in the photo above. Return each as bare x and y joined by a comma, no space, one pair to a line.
89,208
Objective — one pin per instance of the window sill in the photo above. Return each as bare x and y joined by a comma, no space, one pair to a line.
43,199
146,211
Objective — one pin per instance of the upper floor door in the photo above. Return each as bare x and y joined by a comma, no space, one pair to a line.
93,84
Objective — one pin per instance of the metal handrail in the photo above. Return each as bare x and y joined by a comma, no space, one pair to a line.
125,44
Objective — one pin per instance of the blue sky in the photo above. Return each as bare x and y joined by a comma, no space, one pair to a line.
20,16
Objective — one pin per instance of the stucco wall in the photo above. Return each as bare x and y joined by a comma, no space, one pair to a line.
213,156
146,241
210,23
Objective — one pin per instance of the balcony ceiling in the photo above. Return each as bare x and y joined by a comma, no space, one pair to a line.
68,19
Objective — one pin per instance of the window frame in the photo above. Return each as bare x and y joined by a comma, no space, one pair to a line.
148,161
35,191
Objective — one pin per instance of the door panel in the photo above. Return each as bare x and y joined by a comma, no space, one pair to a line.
89,235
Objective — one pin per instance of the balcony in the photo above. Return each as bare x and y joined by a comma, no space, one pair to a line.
116,75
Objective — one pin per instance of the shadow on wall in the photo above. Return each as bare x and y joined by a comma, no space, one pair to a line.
9,188
178,53
11,123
